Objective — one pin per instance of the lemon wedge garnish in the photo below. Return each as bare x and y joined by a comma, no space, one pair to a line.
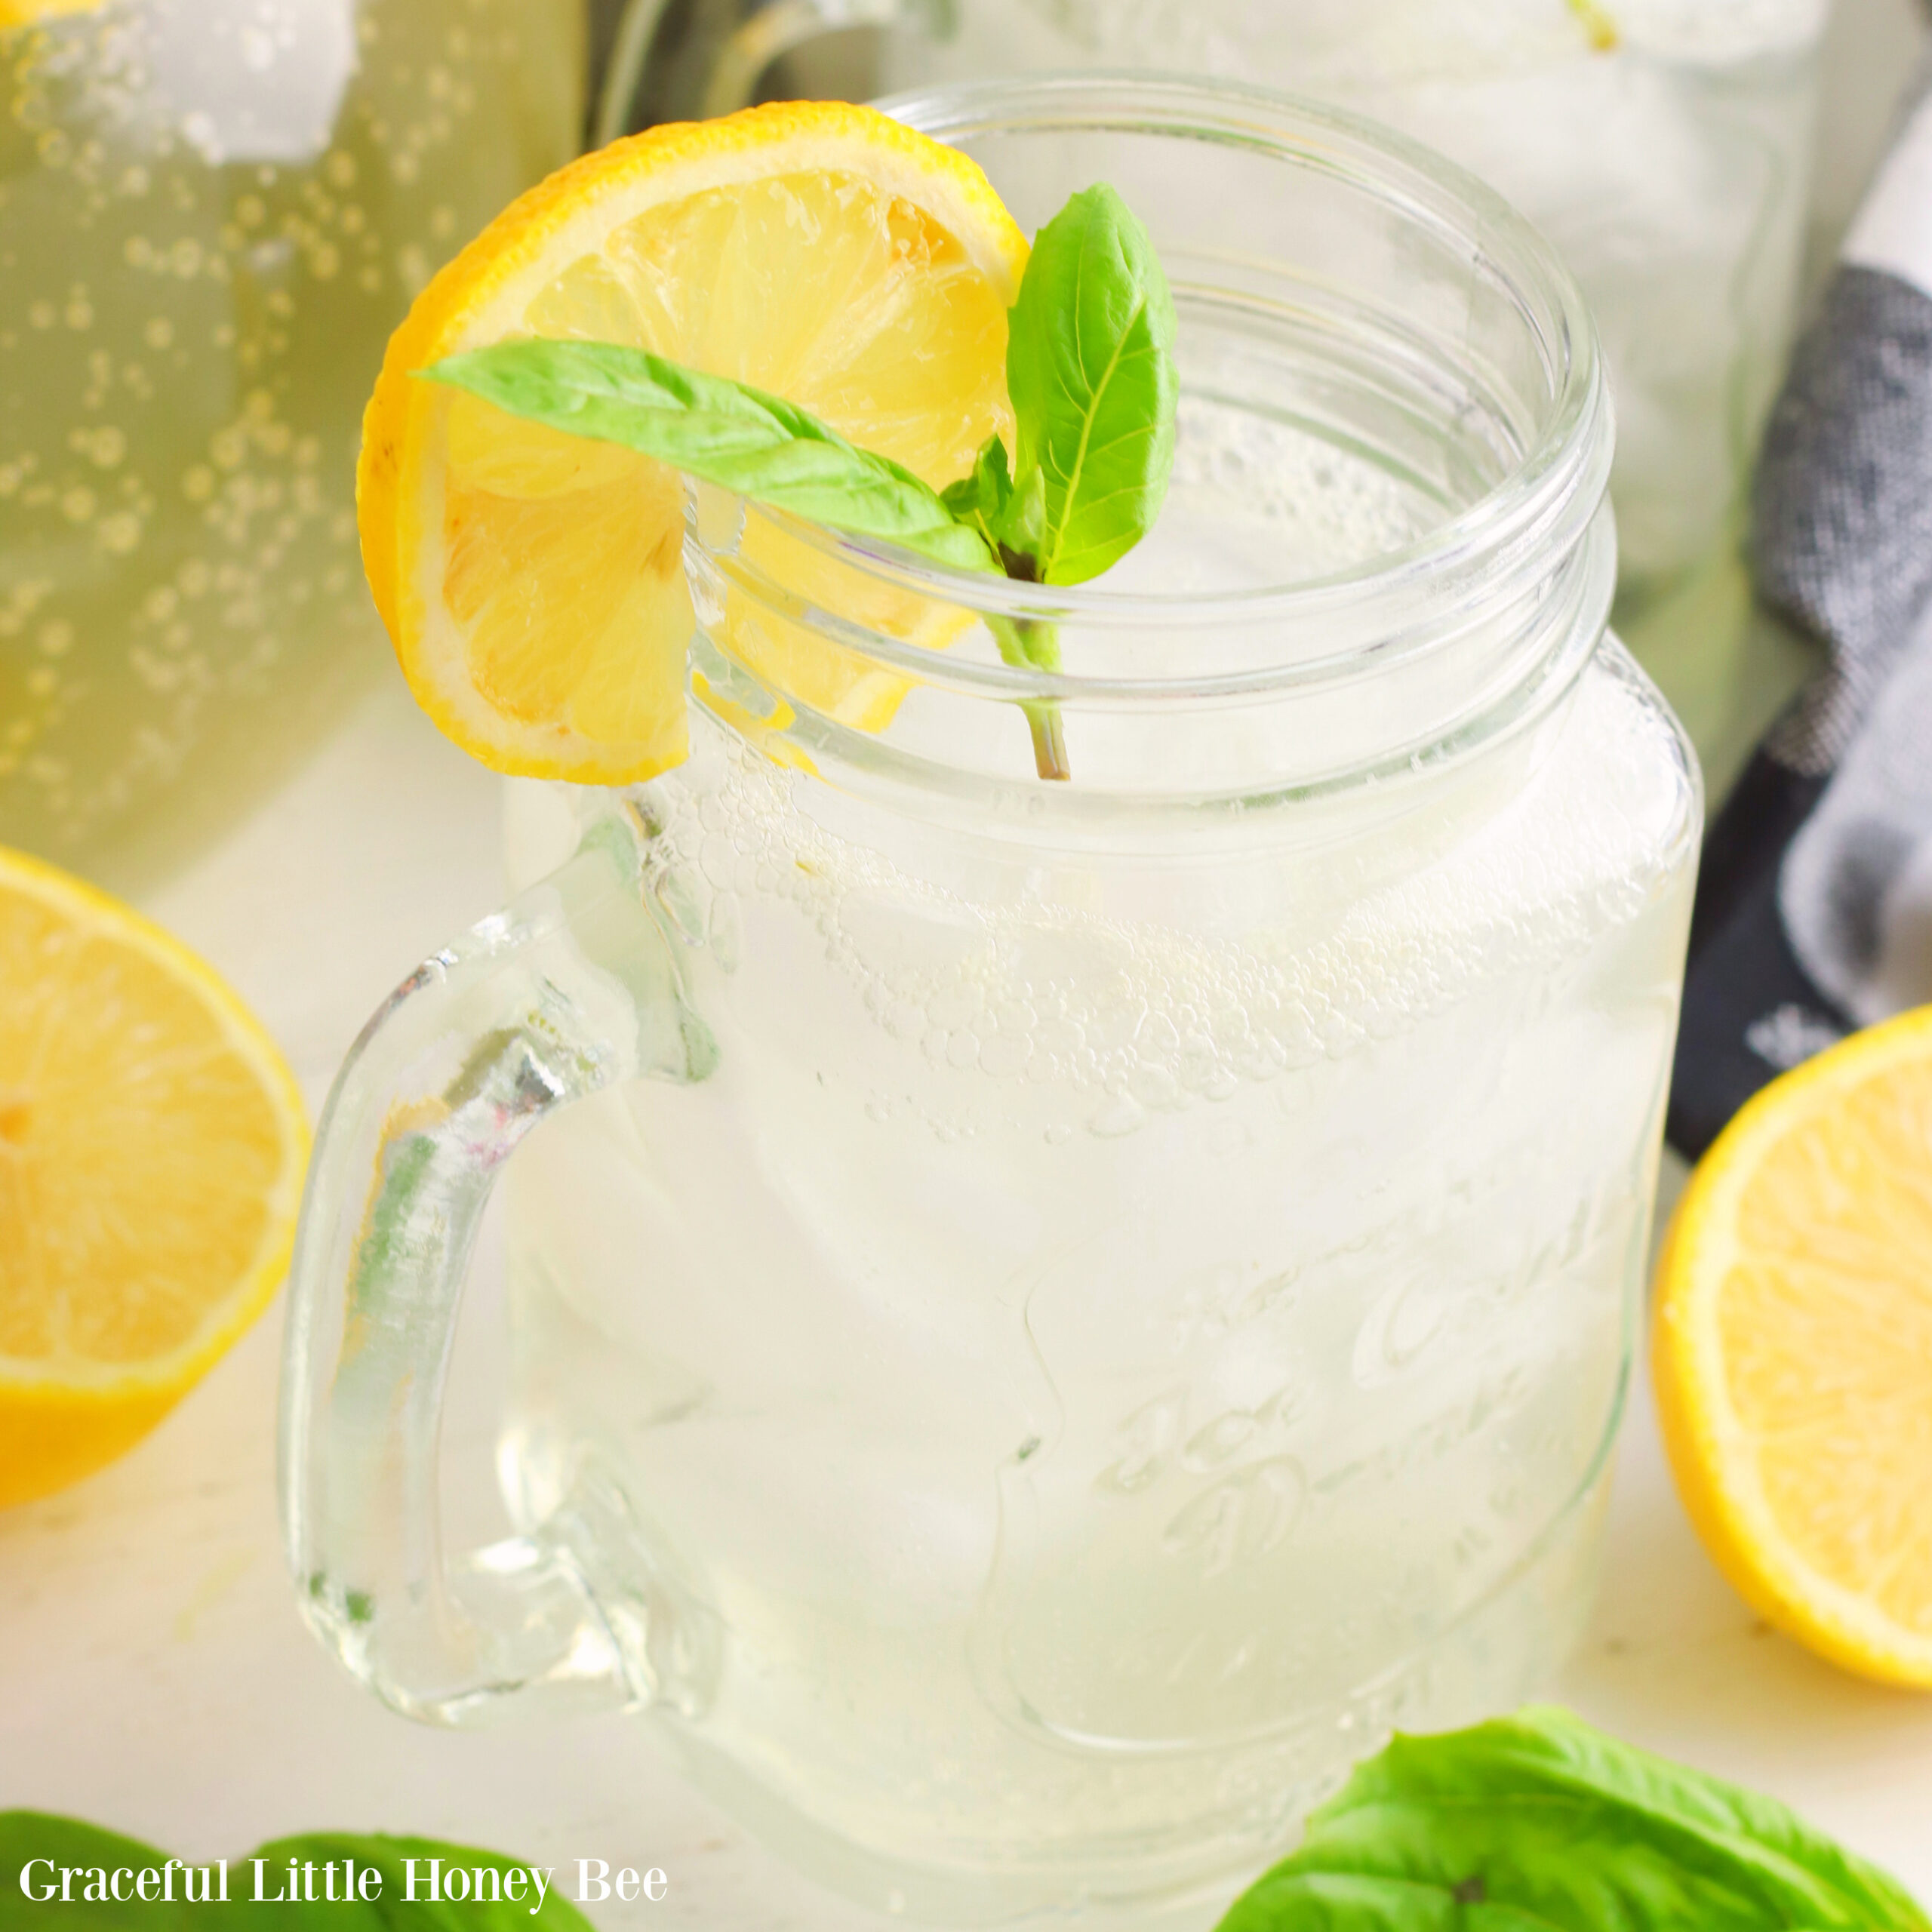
533,584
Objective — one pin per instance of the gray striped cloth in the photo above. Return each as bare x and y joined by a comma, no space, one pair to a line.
1814,907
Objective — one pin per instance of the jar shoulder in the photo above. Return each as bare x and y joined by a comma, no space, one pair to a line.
1575,824
1621,756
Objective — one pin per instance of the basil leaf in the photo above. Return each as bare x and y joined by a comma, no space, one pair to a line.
41,1841
27,1836
979,499
1090,370
1538,1823
393,1907
719,431
1022,534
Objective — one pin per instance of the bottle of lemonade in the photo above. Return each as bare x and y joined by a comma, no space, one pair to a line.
212,214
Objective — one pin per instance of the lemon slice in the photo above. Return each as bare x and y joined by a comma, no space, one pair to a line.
533,583
1792,1351
151,1145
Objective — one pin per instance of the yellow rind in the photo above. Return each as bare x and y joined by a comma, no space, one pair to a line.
1717,1478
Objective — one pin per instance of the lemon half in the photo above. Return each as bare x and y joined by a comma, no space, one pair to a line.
152,1146
1792,1351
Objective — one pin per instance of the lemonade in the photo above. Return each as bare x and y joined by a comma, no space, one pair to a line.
1068,1381
212,214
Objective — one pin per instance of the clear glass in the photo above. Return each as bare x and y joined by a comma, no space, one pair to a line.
212,214
1664,146
1047,1316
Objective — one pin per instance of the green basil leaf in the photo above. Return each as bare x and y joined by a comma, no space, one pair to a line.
49,1845
393,1907
980,499
719,431
1090,370
1538,1823
1021,533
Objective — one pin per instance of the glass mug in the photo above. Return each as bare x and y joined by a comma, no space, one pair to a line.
212,215
1664,146
1046,1318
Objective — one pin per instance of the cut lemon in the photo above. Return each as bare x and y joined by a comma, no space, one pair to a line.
1792,1351
533,583
152,1144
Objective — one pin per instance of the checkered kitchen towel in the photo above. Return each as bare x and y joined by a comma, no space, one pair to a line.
1815,910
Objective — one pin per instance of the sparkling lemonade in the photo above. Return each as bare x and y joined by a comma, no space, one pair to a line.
212,214
1095,1349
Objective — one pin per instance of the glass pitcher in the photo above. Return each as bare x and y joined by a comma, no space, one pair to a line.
212,214
1664,146
1046,1317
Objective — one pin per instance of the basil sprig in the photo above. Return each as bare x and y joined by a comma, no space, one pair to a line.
1538,1823
1090,371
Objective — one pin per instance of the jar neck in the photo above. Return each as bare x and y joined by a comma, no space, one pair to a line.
1480,666
1385,545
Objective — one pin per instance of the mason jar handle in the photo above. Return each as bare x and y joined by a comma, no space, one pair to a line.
672,63
572,988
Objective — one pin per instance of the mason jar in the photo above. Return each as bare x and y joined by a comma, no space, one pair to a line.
1047,1316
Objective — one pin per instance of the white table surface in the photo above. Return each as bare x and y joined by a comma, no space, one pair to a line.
157,1677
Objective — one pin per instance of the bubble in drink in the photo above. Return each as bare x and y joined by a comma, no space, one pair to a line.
212,214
